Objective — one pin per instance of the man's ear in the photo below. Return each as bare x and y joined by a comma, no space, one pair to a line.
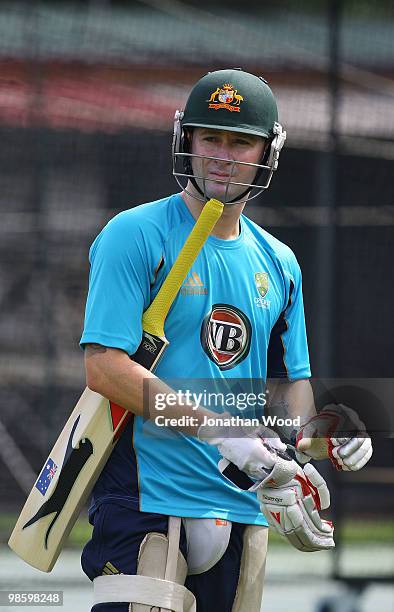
187,139
266,150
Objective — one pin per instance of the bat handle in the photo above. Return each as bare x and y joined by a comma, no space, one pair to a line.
235,475
154,317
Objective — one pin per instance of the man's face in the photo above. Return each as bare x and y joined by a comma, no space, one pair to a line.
231,146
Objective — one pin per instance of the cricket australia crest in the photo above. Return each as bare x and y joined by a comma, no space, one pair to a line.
225,97
261,280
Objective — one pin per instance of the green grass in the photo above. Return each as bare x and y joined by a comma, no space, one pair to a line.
78,536
354,531
7,521
80,533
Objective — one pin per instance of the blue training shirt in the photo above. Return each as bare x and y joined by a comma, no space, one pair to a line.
239,314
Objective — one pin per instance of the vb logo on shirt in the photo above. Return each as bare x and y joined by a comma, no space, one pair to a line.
225,335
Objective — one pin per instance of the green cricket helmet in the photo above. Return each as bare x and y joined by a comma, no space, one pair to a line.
235,101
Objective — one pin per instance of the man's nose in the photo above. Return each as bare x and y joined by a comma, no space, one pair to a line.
224,150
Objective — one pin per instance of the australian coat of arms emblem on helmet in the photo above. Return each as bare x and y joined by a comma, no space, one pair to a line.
226,97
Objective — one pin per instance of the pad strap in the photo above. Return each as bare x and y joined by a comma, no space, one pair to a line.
143,590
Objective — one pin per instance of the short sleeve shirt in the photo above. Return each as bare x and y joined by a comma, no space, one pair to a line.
238,316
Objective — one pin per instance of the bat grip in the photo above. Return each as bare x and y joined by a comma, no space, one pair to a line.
154,317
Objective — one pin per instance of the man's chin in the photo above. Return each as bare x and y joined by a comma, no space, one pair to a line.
219,192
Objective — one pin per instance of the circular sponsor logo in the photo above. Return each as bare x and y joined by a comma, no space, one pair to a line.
225,335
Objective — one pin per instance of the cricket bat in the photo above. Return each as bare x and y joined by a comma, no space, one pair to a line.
94,426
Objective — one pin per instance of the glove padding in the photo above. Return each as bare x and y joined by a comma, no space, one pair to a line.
324,436
290,498
293,509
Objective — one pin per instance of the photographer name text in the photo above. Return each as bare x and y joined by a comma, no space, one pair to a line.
228,421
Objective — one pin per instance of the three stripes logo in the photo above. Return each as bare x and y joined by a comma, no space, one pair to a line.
109,569
193,285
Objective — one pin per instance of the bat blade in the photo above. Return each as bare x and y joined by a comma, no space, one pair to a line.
55,501
94,426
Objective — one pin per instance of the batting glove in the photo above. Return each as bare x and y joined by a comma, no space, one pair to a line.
253,454
292,509
324,436
290,497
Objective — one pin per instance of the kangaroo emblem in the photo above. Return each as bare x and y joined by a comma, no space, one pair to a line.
214,95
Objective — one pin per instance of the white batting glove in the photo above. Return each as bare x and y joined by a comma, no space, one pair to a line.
254,455
290,498
292,509
346,453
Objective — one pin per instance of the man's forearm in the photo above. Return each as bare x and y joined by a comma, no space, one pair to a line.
114,375
290,399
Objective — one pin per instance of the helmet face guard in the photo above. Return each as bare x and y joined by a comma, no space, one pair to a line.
235,101
182,166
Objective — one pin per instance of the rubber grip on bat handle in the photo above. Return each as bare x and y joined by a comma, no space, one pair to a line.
154,317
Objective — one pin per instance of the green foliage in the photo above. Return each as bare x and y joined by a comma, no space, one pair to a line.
353,531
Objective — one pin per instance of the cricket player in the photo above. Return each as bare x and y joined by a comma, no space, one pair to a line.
170,531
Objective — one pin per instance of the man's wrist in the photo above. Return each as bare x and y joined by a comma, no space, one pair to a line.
215,433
